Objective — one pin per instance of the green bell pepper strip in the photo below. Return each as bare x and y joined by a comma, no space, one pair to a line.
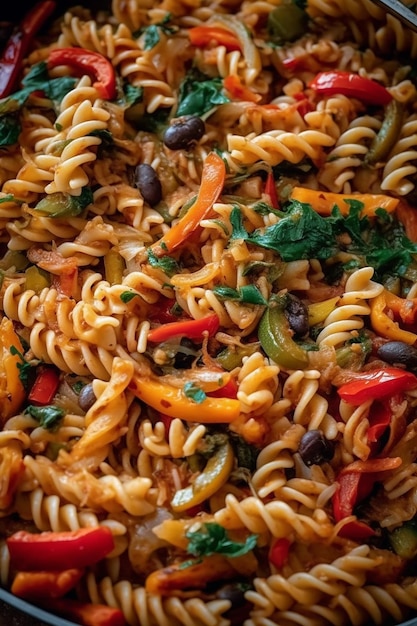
388,134
274,333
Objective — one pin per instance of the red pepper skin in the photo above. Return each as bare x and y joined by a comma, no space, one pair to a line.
59,550
271,190
85,613
193,329
229,390
92,63
377,384
18,44
278,553
238,90
45,387
202,36
355,483
379,420
350,85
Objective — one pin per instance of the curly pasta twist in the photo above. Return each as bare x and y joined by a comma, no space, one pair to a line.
276,146
345,320
308,588
177,443
400,163
348,154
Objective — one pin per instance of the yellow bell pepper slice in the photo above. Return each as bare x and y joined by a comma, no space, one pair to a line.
318,311
214,476
12,392
324,201
171,401
383,324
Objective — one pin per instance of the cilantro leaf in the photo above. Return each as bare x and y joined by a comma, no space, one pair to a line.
193,392
48,416
213,539
249,294
166,263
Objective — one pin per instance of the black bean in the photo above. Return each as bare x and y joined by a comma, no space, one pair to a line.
398,352
314,448
296,313
86,397
183,132
234,592
148,183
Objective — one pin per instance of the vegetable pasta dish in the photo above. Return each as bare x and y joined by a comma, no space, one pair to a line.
208,313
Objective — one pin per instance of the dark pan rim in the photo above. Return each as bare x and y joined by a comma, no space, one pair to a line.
54,620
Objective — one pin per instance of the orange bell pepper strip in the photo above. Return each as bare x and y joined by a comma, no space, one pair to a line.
12,391
238,90
85,613
212,181
171,401
169,580
385,325
48,584
202,36
324,201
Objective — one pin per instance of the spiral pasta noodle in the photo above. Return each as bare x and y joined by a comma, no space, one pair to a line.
208,270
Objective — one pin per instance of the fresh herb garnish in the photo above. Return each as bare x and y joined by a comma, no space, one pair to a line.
153,32
199,93
194,392
248,294
213,539
304,234
48,416
127,296
166,263
37,79
24,367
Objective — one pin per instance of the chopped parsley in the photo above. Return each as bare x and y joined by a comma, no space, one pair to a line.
213,539
48,416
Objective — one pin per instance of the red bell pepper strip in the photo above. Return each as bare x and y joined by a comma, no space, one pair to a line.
85,613
45,387
379,420
350,85
376,384
193,329
279,551
212,181
238,90
18,44
59,550
35,585
271,190
229,390
89,62
355,483
202,36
